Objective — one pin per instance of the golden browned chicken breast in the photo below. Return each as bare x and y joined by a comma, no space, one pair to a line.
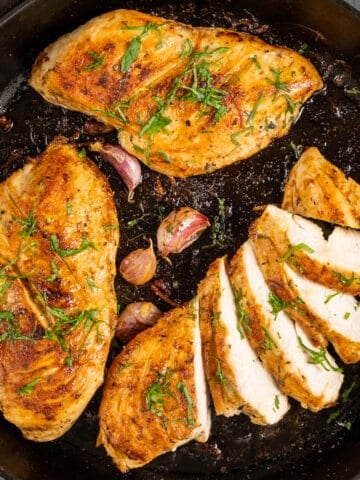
185,100
59,235
318,189
155,396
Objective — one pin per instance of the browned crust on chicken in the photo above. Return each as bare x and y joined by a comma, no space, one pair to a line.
55,328
318,189
254,91
144,411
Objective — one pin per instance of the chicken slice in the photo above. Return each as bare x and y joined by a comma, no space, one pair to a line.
237,379
332,313
57,312
302,371
318,189
155,397
300,243
336,314
186,100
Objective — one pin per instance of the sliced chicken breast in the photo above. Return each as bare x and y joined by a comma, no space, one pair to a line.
318,189
155,396
300,244
336,314
185,100
237,379
302,371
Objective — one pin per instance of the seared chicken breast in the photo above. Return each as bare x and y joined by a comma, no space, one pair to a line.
318,189
59,235
237,379
155,396
300,243
186,100
283,346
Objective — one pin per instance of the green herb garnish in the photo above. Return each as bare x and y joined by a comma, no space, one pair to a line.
55,272
85,243
133,49
29,387
158,391
319,357
268,343
98,61
277,82
293,249
189,417
243,321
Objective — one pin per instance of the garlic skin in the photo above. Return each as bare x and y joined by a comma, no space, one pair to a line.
135,318
180,229
127,166
139,266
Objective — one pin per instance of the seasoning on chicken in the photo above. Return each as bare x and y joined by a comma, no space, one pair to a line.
186,100
237,379
318,189
155,397
59,235
302,371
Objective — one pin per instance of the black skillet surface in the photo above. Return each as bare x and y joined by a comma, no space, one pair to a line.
303,445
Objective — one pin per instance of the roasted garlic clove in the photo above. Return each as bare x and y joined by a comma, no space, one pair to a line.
180,229
135,318
127,166
139,266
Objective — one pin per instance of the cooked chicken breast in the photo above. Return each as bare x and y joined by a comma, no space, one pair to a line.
155,396
332,313
318,189
300,243
186,100
336,314
59,235
302,371
237,379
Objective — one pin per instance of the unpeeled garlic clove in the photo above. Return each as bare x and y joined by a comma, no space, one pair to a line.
139,266
135,318
127,166
180,229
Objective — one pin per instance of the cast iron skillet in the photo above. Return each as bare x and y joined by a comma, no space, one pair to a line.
303,445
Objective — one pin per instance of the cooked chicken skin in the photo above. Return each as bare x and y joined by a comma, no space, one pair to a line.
283,346
59,235
186,100
300,243
237,379
318,189
155,397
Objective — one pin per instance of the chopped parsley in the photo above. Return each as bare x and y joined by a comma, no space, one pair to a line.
29,387
98,61
189,417
158,392
133,49
293,249
85,244
319,357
